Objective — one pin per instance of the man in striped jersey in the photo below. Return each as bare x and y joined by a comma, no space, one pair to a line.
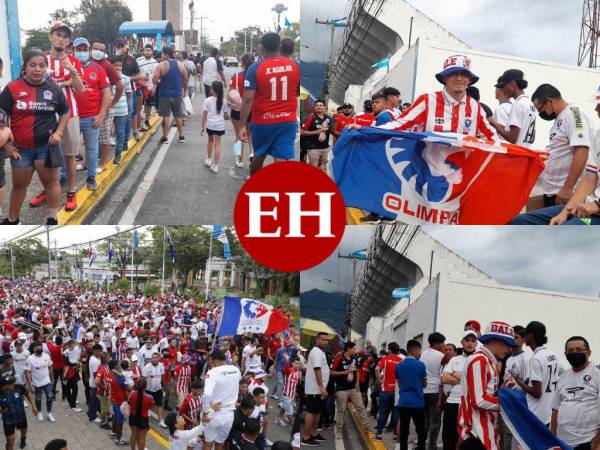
292,376
449,110
64,70
191,406
479,404
183,377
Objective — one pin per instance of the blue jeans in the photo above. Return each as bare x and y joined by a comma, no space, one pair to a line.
120,132
90,139
129,117
93,404
47,389
386,405
544,215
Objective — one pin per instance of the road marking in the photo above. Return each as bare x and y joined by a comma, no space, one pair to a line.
135,205
161,440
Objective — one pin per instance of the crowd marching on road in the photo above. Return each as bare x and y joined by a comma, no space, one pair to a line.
76,90
142,360
457,389
570,182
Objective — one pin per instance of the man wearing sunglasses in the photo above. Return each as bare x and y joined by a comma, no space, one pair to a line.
570,148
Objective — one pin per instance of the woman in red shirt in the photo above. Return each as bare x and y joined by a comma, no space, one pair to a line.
140,403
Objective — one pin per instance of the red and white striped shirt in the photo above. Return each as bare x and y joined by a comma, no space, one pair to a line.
438,112
290,381
183,374
191,406
479,405
137,373
58,74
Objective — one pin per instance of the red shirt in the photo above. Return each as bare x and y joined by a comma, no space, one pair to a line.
276,82
147,403
388,372
117,391
94,81
191,407
274,345
104,386
341,121
58,360
364,119
59,75
111,72
167,364
237,82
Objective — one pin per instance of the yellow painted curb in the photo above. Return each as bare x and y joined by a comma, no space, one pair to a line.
161,440
87,199
353,216
366,437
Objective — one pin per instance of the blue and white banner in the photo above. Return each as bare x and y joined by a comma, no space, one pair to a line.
110,251
400,293
530,432
385,62
360,254
171,246
220,235
242,315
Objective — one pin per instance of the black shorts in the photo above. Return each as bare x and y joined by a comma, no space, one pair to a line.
142,423
9,429
363,387
151,100
157,396
215,132
314,403
235,115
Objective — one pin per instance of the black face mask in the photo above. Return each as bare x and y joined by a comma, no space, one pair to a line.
576,359
545,116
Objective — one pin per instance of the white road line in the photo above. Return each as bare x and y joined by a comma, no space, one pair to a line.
132,210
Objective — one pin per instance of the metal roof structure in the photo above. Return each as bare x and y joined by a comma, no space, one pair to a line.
387,268
150,28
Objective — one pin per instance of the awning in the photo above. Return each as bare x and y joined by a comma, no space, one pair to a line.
313,327
147,29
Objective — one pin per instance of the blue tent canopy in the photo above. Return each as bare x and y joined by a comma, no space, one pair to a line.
147,29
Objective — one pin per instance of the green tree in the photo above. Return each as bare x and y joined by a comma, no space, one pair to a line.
244,40
28,253
121,251
101,19
36,38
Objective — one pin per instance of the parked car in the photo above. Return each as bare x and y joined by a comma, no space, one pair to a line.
232,61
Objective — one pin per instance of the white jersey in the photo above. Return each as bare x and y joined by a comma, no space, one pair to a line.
502,113
153,375
456,364
543,367
19,363
522,116
593,165
221,385
316,360
432,359
516,365
144,354
39,366
571,129
577,400
147,67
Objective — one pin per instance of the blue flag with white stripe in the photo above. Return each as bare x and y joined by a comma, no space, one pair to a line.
385,62
400,293
220,235
171,247
110,251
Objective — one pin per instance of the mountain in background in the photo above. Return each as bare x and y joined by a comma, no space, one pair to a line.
329,307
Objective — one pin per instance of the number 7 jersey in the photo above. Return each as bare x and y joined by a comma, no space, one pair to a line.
276,82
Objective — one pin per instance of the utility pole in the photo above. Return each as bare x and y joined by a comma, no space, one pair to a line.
202,32
333,23
12,261
48,246
192,19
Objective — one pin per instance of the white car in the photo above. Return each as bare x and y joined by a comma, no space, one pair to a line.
231,61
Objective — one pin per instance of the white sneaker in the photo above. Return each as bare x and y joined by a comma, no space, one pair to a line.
25,403
162,424
239,163
51,418
208,162
214,169
97,420
268,442
40,416
76,409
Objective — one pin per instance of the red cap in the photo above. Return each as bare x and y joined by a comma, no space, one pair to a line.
473,324
61,25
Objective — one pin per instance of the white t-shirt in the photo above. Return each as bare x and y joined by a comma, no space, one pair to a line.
210,70
133,342
502,113
433,362
153,376
247,350
94,365
73,355
577,400
543,367
221,385
523,115
215,120
316,359
147,67
39,368
571,129
593,164
456,364
516,364
144,354
19,363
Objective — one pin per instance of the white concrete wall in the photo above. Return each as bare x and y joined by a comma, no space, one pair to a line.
4,50
564,315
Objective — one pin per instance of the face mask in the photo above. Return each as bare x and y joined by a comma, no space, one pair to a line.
82,56
38,351
98,55
576,359
545,116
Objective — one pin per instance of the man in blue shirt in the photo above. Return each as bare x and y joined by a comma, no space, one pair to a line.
13,412
411,376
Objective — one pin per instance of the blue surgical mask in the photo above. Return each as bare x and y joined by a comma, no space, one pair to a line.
82,56
98,55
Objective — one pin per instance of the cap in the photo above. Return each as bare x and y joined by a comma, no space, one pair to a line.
347,105
500,83
499,330
61,26
512,75
81,41
260,373
22,336
473,324
3,117
134,358
469,333
457,63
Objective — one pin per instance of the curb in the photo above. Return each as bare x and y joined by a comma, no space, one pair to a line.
366,437
353,216
86,199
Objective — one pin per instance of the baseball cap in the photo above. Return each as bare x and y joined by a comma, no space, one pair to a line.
61,26
81,41
469,333
457,63
473,324
260,373
134,358
347,105
500,83
499,330
512,75
3,117
22,336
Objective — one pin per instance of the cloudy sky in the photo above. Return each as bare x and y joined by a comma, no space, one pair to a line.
558,259
224,16
539,29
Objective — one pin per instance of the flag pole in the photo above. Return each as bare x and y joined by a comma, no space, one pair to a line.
162,287
207,275
132,252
